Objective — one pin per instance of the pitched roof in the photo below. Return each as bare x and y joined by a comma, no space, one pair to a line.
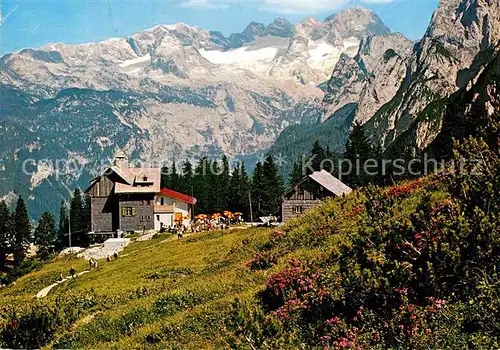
135,183
177,195
330,182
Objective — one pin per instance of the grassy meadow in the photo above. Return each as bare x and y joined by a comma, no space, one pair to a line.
370,270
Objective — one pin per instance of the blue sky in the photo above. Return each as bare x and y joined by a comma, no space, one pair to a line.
37,22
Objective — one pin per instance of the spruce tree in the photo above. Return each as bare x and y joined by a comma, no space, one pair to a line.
273,185
224,183
317,154
214,200
296,175
86,213
258,190
175,179
45,236
358,150
239,186
21,231
201,186
165,177
63,226
77,211
5,237
187,178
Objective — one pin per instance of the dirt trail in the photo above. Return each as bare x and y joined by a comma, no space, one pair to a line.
46,290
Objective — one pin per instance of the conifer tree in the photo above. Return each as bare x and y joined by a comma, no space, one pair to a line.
296,175
77,211
318,154
358,150
224,183
21,231
258,190
45,236
165,177
187,178
238,197
5,236
86,213
175,179
201,186
273,185
214,200
63,226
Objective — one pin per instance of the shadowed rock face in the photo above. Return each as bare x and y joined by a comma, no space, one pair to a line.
370,79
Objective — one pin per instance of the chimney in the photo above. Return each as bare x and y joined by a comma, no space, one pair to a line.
121,160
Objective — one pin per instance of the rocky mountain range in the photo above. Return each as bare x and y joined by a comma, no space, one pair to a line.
169,92
176,92
399,89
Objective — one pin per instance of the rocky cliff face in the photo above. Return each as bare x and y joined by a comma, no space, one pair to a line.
441,63
368,80
170,92
315,47
398,86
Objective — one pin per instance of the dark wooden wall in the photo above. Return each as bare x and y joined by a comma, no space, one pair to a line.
102,188
144,212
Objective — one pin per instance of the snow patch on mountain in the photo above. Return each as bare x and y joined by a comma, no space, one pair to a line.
136,64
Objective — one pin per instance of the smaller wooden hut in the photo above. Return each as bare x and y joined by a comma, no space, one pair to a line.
311,190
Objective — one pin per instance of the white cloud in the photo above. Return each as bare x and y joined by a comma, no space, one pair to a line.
204,4
303,6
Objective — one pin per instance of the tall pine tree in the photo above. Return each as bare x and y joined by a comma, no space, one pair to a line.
187,178
317,154
5,231
77,212
21,231
45,236
165,177
273,185
175,179
239,186
201,186
63,226
296,175
224,183
258,190
357,151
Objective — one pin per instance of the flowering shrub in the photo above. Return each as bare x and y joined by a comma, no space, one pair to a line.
262,261
397,191
408,278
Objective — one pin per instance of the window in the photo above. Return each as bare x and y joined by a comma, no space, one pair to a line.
162,201
128,211
298,209
145,178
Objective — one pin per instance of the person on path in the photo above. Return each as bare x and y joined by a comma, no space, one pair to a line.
108,259
91,264
115,254
61,278
72,273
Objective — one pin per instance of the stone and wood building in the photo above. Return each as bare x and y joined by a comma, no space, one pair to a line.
122,198
125,199
310,191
